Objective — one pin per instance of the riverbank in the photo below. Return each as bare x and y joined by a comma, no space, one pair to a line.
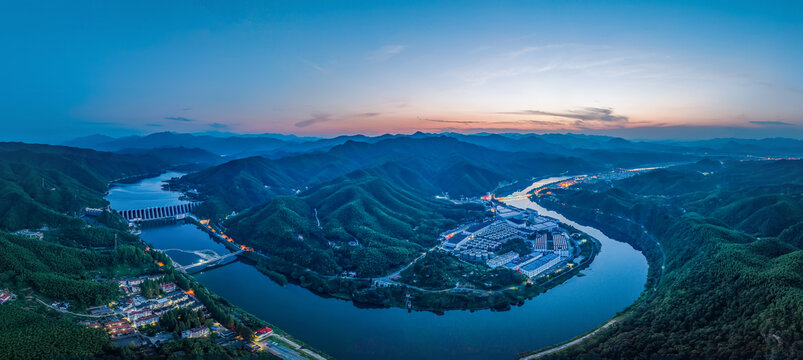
345,331
183,235
631,233
385,292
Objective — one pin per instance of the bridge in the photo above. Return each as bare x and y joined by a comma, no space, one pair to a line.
210,261
158,213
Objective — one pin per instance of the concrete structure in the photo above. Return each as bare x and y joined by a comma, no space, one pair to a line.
502,259
169,287
545,226
37,235
499,231
455,241
94,212
118,328
560,244
201,331
209,262
138,314
263,333
158,213
146,320
539,265
540,242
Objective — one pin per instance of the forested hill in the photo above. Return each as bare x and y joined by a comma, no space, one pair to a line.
39,184
437,164
732,286
386,224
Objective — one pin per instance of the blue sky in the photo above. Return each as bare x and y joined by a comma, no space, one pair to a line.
663,69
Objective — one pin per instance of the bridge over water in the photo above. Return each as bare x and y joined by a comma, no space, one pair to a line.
158,213
209,261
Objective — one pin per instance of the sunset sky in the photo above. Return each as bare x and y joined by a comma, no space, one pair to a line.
661,70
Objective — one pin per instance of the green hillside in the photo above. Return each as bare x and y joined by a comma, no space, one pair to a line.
732,286
430,165
41,184
387,225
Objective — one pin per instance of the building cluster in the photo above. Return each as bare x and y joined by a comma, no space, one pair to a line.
531,265
118,328
549,245
134,311
555,241
477,242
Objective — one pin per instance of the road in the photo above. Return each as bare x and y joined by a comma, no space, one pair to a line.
283,351
70,312
570,343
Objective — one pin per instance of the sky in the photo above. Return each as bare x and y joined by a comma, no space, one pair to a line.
639,70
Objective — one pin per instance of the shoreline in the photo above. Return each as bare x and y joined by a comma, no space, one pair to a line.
516,295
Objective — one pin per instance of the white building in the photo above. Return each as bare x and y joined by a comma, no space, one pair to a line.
539,265
502,259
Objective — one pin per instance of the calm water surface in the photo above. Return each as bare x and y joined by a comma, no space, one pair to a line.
612,282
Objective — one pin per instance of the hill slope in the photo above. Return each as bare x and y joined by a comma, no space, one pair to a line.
433,164
41,183
386,225
732,286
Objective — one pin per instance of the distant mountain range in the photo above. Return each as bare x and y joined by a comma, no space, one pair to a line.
278,145
425,166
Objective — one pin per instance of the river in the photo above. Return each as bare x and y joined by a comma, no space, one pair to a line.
612,282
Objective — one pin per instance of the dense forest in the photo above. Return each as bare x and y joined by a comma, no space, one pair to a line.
367,225
27,334
43,185
65,273
48,186
733,280
431,165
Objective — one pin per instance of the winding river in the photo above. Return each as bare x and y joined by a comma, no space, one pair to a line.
612,282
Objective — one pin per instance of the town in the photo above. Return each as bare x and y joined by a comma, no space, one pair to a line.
153,311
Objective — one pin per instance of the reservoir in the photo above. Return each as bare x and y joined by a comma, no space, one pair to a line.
612,282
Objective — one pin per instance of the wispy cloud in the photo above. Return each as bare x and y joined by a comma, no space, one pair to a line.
315,119
315,66
153,125
587,114
368,114
179,118
517,124
219,126
386,52
771,123
529,49
452,121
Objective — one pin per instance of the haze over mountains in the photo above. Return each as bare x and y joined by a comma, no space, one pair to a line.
276,145
238,172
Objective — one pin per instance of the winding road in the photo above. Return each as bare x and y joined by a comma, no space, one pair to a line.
570,343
